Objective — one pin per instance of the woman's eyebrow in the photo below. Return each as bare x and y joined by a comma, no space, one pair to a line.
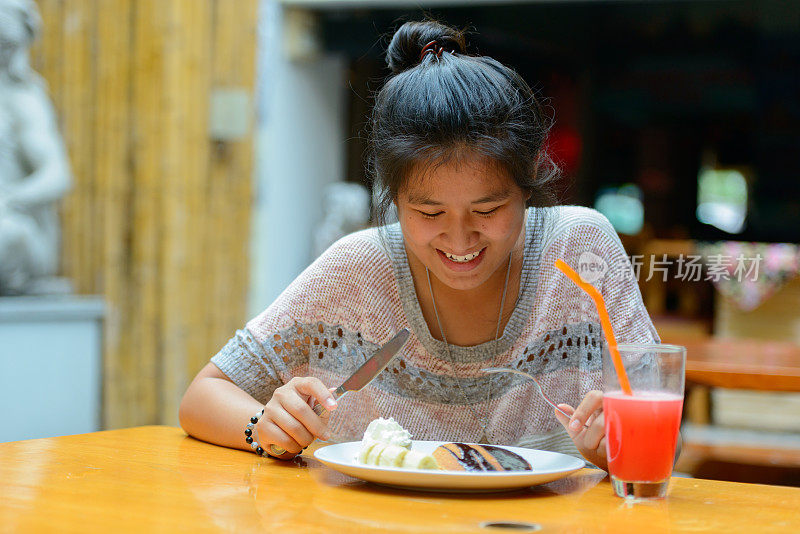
422,199
494,197
425,200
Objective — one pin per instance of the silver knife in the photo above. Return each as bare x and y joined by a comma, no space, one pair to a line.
369,369
363,375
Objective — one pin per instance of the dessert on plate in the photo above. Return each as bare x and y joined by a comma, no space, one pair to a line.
388,444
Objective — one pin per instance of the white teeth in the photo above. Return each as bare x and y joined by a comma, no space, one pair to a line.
463,259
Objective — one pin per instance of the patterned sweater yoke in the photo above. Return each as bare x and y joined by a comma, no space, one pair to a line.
360,292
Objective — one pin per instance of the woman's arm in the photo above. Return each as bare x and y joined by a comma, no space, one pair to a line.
268,360
216,410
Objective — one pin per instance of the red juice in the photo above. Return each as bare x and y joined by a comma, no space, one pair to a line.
641,433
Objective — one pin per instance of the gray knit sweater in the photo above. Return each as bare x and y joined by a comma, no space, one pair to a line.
360,292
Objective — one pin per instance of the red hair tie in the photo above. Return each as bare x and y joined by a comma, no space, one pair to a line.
431,47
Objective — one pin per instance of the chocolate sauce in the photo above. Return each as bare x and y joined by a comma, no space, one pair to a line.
472,460
510,461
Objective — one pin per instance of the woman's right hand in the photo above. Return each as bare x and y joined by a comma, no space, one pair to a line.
288,420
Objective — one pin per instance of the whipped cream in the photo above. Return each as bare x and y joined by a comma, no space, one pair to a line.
387,431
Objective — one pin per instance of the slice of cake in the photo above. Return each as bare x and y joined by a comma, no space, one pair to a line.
473,457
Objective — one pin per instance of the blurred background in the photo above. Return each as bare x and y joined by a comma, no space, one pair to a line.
214,147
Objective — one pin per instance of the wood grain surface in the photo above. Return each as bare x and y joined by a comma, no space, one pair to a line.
156,479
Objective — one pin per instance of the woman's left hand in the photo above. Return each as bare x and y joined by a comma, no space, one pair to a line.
591,442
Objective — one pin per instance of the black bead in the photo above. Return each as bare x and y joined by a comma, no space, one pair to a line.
254,419
249,440
260,451
248,431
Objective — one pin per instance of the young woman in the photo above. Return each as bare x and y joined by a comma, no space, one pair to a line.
457,147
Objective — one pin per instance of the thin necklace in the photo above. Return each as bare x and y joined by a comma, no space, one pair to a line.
483,420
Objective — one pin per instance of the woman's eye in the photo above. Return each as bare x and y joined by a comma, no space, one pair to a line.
489,212
430,215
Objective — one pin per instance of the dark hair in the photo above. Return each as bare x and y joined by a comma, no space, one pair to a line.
446,106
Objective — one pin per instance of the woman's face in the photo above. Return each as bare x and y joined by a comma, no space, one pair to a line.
461,220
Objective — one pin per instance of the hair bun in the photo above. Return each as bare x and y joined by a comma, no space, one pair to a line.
409,40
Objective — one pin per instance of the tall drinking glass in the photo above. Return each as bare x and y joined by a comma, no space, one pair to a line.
642,429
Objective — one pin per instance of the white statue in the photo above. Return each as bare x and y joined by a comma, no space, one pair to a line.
34,171
345,207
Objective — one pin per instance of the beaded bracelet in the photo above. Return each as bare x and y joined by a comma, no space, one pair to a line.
251,437
249,431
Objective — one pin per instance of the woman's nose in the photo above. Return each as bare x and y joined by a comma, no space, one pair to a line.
461,236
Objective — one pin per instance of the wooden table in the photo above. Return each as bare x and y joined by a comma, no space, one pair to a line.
742,363
713,362
156,479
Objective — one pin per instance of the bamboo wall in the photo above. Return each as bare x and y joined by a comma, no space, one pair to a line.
158,218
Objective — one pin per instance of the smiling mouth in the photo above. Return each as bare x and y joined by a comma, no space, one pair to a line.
463,259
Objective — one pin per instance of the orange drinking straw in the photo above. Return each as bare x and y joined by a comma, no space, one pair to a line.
605,322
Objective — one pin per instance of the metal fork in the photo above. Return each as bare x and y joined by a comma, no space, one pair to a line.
538,386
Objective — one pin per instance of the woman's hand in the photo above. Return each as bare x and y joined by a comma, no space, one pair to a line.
288,420
591,442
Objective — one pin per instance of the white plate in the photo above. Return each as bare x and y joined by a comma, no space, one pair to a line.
547,466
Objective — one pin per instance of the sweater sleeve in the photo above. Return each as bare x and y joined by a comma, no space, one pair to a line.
319,326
